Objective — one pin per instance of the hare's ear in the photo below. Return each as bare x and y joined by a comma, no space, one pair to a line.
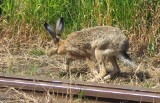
59,26
51,31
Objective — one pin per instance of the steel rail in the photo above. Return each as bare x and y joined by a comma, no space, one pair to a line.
99,90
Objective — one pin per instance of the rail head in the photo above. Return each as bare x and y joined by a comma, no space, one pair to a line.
100,90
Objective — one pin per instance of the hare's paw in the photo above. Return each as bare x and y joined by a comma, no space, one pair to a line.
92,80
107,77
96,78
94,72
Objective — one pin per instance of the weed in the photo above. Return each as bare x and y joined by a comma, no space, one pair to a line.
31,70
36,52
81,94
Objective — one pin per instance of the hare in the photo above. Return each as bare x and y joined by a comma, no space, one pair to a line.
100,42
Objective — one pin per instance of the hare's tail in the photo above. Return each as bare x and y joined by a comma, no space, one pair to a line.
127,59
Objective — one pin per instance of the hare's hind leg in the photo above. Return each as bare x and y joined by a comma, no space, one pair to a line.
111,56
101,63
91,64
116,69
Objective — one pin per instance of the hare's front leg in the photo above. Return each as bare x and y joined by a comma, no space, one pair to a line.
66,64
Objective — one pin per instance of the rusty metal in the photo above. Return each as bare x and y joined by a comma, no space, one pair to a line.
98,90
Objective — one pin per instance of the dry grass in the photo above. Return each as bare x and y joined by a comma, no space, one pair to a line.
31,59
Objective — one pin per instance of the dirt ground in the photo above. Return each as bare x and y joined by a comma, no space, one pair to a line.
30,58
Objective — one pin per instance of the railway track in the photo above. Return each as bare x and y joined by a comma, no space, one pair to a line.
99,91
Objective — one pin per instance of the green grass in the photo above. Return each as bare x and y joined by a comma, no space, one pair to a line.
78,14
135,16
31,70
36,52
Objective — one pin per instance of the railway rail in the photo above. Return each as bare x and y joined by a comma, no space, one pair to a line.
100,91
